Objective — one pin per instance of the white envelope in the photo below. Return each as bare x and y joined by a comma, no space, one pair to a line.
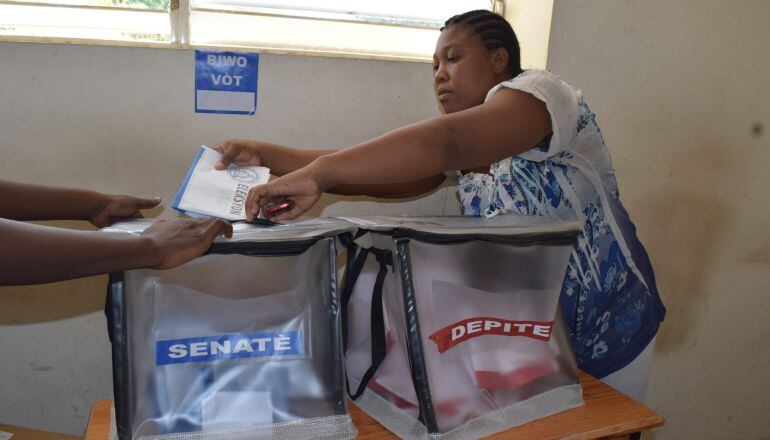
217,193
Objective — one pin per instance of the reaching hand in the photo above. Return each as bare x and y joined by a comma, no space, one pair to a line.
181,240
112,208
240,151
299,186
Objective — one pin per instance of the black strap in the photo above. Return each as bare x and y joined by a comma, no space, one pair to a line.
356,260
355,263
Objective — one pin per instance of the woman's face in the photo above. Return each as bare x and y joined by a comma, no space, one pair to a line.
463,69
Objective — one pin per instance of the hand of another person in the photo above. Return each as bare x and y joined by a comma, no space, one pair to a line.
299,186
242,152
111,208
181,240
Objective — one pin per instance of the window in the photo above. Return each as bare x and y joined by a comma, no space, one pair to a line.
401,29
391,29
144,21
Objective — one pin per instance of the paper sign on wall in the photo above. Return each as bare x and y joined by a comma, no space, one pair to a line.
226,82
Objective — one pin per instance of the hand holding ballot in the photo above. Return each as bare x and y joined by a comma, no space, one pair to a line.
215,192
241,152
301,187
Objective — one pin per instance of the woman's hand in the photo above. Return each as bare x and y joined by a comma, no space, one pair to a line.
300,186
242,152
281,160
110,208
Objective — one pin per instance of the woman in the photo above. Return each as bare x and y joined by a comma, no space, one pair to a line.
525,142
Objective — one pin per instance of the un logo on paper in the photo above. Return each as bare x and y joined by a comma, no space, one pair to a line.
244,175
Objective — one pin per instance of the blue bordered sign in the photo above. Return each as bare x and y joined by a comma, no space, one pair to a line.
226,82
230,346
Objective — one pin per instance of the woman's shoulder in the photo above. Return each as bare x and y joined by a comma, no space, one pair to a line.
541,83
562,102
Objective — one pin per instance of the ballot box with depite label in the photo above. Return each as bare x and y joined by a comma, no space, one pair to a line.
451,325
242,343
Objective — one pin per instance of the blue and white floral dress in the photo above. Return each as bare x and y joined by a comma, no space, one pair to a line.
609,297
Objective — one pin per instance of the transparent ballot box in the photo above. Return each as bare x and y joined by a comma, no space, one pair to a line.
452,325
241,343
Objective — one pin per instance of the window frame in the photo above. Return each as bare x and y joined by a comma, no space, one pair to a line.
179,13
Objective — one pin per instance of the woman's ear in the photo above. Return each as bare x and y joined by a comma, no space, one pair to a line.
499,60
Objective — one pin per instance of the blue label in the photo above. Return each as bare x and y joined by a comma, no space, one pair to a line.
232,346
226,82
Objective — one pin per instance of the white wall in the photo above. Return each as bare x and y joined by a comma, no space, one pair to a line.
121,120
681,90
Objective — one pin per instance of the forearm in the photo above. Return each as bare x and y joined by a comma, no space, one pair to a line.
20,201
31,254
412,153
509,123
283,160
391,190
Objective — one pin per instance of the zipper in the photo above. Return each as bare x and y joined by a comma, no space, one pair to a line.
277,248
533,239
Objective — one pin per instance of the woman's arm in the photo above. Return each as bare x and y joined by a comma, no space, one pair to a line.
391,190
510,123
283,160
31,254
21,201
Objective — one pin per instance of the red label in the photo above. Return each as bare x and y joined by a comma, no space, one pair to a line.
454,334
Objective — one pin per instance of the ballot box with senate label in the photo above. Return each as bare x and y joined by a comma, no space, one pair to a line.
242,343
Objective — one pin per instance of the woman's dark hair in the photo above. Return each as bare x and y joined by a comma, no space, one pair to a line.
494,31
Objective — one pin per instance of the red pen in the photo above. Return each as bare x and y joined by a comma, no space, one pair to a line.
279,207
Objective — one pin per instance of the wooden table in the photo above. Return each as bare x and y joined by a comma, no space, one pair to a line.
607,413
20,433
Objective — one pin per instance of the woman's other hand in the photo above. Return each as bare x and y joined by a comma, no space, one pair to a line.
241,152
299,186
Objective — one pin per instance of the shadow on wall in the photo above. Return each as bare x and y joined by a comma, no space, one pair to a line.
692,228
52,302
690,221
328,200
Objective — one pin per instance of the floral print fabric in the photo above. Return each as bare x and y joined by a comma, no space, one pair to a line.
609,298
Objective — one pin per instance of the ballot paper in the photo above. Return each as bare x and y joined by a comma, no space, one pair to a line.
217,193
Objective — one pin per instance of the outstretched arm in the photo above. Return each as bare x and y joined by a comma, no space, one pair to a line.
284,160
31,254
510,123
21,201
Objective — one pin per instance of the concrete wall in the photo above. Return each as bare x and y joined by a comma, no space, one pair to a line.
680,89
681,92
122,120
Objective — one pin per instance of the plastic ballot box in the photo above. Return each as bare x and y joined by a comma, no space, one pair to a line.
452,326
242,343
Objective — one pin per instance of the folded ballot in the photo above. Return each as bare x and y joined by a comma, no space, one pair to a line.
217,193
